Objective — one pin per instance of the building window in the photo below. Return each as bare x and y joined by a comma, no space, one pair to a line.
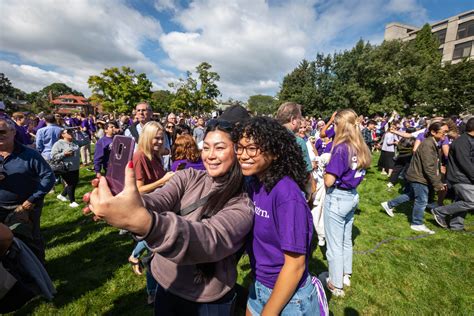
441,35
462,50
465,29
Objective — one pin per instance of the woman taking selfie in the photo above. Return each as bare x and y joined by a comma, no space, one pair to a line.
350,156
279,248
194,262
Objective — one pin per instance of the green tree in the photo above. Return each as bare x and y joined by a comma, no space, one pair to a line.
120,89
6,87
57,89
196,95
161,101
262,104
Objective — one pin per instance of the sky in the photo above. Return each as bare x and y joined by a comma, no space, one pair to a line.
251,44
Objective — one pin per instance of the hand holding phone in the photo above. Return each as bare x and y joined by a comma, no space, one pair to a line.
120,155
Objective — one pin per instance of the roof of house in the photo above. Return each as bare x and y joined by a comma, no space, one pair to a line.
76,100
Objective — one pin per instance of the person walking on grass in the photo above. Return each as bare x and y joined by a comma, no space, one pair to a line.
67,149
350,157
424,171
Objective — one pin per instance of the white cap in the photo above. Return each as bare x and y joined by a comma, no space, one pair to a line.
2,106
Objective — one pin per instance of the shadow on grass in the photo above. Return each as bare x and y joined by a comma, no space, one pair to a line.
131,304
85,269
66,233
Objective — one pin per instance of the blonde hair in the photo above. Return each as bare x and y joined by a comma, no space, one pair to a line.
146,137
348,132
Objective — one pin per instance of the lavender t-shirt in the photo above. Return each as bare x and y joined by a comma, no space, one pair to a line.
282,222
344,168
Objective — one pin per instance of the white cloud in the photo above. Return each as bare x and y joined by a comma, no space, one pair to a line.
250,42
166,5
77,38
417,13
29,78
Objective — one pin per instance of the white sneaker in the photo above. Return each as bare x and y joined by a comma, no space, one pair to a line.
384,173
422,228
387,209
61,198
346,280
73,205
321,242
335,291
390,185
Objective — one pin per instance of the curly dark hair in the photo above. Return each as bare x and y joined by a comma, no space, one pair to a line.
274,138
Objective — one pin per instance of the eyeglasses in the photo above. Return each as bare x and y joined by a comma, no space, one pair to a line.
169,126
251,150
142,110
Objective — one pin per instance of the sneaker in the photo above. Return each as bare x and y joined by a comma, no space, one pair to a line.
387,209
321,242
73,205
61,198
422,228
384,173
346,280
390,185
123,232
334,291
150,299
439,218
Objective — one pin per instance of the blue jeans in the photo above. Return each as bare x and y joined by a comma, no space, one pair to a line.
169,304
303,302
339,208
150,280
139,248
413,191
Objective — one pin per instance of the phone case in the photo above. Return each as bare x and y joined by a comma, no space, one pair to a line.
120,155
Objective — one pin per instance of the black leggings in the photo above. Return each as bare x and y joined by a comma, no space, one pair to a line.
72,179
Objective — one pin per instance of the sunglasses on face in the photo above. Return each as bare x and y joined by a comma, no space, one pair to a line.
169,126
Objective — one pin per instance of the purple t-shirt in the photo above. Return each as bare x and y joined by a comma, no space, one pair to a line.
330,132
323,148
282,222
198,165
344,168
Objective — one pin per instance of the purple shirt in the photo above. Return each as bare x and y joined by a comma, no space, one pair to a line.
330,132
198,165
344,168
282,222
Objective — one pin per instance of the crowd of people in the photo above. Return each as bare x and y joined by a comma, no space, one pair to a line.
202,191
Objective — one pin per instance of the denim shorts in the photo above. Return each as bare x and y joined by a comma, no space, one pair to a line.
304,301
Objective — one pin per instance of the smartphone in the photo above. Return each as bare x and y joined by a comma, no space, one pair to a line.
120,154
181,166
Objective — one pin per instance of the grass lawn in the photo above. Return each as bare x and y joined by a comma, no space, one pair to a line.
430,275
